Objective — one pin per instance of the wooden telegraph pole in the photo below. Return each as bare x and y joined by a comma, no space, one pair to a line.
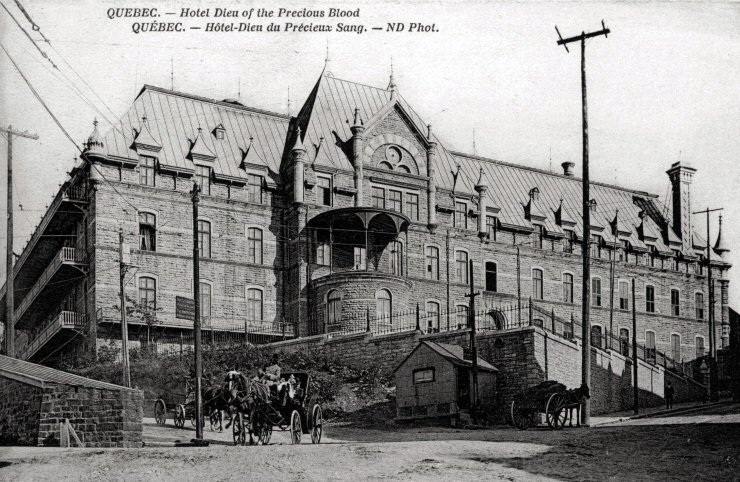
122,268
586,281
713,392
473,346
195,195
635,386
9,278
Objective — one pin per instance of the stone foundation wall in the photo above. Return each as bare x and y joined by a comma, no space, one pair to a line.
101,418
19,412
524,357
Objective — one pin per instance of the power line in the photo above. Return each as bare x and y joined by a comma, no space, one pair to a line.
43,54
38,97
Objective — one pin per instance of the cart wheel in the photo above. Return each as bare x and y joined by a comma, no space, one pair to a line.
317,428
239,430
295,427
216,418
555,411
179,416
521,419
160,412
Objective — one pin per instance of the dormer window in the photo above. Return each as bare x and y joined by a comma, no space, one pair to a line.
534,194
146,170
219,132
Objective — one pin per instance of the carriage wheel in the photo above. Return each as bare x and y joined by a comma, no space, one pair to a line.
295,427
160,412
521,419
555,411
239,430
317,421
264,435
216,418
179,416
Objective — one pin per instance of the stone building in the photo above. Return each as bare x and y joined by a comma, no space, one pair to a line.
349,211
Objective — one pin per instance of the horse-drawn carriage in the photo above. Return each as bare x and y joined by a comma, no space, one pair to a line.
288,406
550,398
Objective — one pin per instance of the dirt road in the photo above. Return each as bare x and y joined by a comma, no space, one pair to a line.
704,445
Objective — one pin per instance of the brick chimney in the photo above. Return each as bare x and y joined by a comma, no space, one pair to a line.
681,176
568,168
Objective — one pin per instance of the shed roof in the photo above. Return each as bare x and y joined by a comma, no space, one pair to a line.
38,375
452,353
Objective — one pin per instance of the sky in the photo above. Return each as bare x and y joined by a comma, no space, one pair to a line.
662,88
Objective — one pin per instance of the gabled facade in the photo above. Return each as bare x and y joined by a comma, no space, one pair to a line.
353,209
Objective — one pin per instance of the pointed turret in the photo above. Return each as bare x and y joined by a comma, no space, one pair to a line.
358,131
94,143
720,247
431,182
392,87
298,156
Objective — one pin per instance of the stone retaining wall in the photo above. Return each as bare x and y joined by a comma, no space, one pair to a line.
19,412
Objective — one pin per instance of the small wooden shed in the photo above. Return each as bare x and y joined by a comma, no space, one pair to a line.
435,381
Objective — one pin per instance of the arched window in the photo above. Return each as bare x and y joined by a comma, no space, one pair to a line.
461,316
567,287
595,291
147,231
461,266
596,336
650,299
148,293
432,316
383,305
205,300
676,347
491,276
204,239
675,303
624,341
624,299
699,305
498,318
699,346
650,346
254,304
333,307
432,262
254,245
537,277
397,258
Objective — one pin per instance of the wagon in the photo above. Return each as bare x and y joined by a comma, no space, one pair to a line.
300,414
181,405
549,398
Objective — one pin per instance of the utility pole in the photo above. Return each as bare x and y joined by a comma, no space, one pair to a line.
473,347
9,275
713,392
586,281
611,301
635,387
122,267
195,195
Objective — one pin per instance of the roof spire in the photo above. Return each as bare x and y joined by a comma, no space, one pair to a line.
93,140
481,185
298,146
720,247
392,83
327,72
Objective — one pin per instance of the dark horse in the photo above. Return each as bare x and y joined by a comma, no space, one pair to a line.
241,394
215,403
574,400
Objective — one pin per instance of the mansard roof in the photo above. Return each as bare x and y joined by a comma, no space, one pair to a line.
173,118
331,103
255,137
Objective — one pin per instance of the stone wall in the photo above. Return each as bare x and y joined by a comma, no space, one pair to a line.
19,412
101,418
524,357
30,413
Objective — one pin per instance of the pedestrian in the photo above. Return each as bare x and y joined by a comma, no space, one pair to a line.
669,391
